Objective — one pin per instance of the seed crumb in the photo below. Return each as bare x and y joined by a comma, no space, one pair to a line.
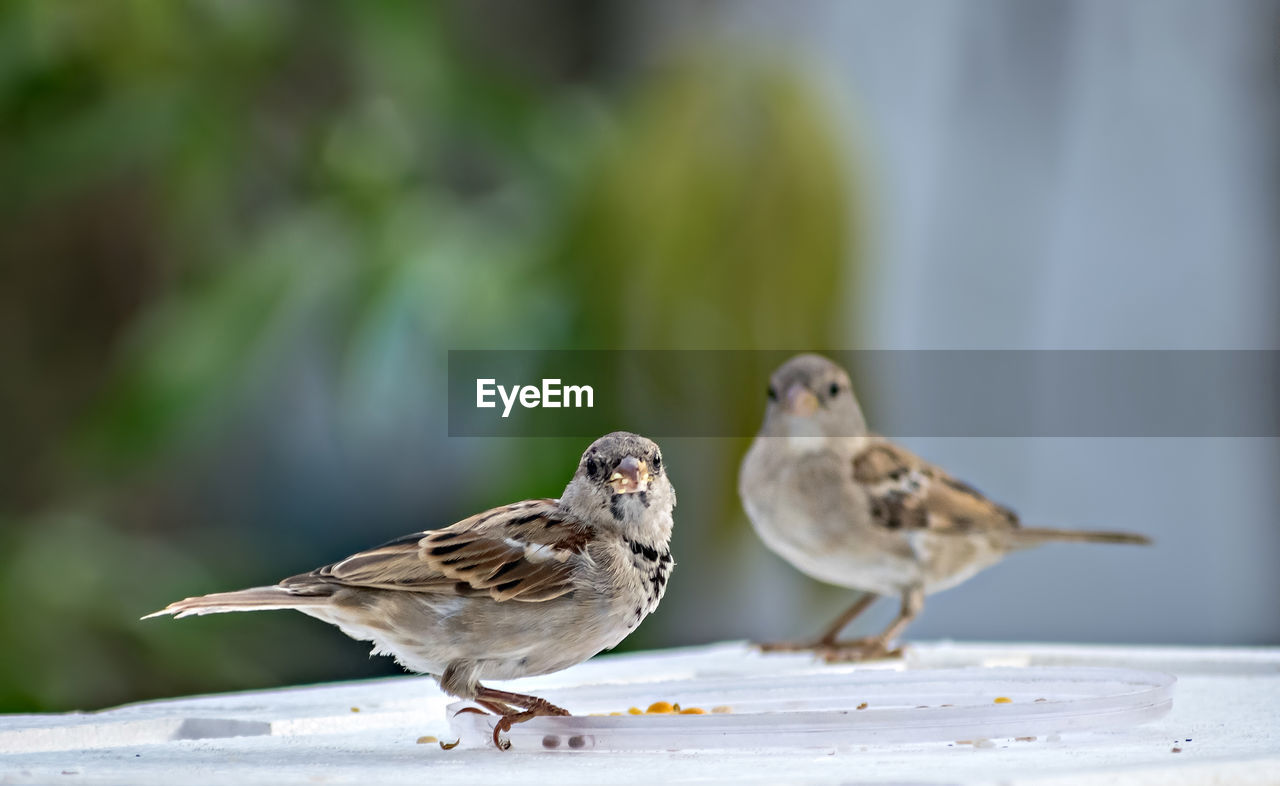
427,738
861,706
1175,750
722,708
1003,700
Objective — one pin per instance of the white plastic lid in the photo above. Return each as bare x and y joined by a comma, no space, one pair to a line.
821,710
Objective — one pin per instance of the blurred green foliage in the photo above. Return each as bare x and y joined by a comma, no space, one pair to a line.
231,226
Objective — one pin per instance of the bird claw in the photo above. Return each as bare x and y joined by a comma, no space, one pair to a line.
536,709
789,646
475,710
850,651
510,709
857,650
504,725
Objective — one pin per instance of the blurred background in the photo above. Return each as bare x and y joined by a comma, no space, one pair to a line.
238,239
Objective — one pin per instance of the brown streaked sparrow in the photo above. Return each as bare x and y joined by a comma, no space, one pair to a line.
850,508
524,589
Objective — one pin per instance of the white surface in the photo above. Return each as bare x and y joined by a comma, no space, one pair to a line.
1225,720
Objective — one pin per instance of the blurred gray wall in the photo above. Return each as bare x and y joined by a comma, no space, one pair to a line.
1048,175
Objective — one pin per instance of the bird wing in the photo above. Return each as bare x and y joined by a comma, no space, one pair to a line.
909,493
525,552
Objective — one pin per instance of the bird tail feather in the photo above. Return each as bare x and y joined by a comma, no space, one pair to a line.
253,599
1035,536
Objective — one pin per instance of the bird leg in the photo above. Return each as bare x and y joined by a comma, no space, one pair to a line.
504,704
828,637
877,646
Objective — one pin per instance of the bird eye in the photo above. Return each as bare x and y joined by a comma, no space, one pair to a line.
834,390
773,393
593,468
657,462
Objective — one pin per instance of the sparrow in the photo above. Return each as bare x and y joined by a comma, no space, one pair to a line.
851,508
523,589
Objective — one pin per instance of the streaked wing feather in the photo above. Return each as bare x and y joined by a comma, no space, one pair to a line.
909,493
525,552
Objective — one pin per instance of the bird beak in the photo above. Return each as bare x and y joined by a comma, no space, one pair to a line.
800,401
630,476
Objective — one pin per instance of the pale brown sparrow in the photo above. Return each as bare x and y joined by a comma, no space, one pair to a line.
851,508
524,589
